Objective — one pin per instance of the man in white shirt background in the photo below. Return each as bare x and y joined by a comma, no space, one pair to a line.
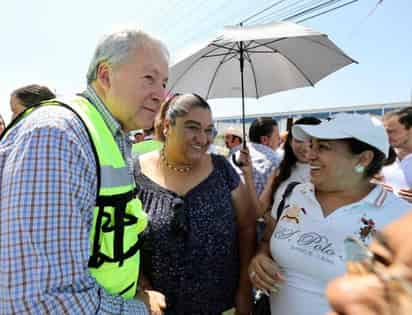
398,125
263,150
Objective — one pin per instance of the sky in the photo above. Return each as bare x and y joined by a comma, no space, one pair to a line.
51,42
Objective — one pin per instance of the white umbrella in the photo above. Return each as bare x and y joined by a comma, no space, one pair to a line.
258,60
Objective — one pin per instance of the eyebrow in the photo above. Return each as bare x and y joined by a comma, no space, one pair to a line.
327,141
188,122
156,72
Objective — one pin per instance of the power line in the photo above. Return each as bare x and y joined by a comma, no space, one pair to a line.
327,11
366,18
281,10
262,11
309,10
188,35
293,10
286,11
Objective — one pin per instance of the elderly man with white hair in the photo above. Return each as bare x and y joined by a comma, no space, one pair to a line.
70,218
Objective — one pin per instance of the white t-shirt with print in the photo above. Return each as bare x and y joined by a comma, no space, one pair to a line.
309,247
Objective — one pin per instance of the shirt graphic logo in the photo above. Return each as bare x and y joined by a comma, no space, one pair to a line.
292,213
367,229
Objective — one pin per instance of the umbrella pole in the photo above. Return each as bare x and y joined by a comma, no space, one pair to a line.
241,60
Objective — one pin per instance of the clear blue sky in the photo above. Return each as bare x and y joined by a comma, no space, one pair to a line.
51,42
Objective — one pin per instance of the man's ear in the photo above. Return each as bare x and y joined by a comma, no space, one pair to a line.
264,140
103,74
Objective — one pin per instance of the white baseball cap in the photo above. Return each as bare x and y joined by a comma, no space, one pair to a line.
362,127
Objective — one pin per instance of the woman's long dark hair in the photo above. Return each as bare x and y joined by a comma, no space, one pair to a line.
289,158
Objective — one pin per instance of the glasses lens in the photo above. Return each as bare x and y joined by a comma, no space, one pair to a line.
355,250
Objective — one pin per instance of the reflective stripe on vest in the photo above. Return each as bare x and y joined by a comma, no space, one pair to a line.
118,217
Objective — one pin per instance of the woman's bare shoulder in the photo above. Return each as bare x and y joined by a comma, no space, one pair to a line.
148,161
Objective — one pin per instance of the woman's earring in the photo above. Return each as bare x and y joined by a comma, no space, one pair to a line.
359,169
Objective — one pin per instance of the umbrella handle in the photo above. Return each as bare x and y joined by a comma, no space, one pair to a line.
236,162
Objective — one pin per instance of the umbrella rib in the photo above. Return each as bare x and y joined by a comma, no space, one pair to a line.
229,48
218,55
339,52
298,68
259,52
216,71
267,43
248,58
190,67
292,62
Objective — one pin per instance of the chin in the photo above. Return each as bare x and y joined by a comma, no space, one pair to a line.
145,123
195,157
315,181
148,116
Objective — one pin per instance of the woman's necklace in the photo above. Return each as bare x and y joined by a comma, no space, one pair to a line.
181,169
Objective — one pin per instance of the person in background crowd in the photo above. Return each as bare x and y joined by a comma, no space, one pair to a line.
283,137
138,136
148,133
261,149
150,143
263,143
201,232
293,168
233,138
29,95
70,219
305,250
386,287
398,125
2,125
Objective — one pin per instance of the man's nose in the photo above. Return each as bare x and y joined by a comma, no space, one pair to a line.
159,92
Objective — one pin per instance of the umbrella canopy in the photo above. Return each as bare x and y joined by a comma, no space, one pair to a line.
257,60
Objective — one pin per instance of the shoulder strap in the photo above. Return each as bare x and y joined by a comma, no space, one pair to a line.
286,193
58,102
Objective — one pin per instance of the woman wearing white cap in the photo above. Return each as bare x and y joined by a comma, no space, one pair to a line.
306,248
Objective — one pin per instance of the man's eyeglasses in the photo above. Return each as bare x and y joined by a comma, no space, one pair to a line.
180,224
